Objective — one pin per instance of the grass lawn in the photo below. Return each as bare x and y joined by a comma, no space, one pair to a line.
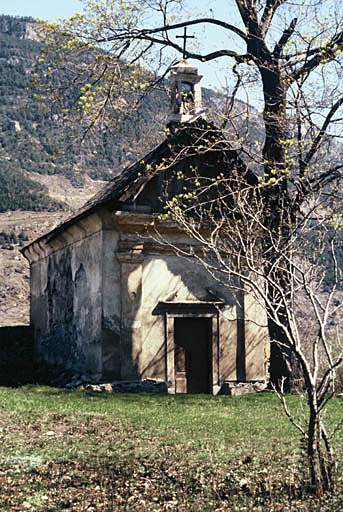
86,451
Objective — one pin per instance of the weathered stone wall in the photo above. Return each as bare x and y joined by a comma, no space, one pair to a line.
66,305
16,355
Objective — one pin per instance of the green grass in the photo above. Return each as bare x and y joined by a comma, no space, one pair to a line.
78,450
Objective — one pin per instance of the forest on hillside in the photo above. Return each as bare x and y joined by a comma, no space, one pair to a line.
31,138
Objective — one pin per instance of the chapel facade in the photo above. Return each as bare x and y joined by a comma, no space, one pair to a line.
115,298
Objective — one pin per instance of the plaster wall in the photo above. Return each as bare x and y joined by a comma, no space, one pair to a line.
66,305
111,304
136,283
243,335
177,279
256,339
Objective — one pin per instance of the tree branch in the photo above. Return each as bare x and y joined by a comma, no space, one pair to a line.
197,56
268,14
249,16
319,54
322,132
284,38
211,21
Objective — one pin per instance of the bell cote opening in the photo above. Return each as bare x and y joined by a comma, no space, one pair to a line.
186,104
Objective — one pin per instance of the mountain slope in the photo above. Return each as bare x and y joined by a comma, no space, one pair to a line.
30,138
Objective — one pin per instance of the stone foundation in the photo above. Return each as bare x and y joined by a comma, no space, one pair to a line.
136,386
153,386
242,388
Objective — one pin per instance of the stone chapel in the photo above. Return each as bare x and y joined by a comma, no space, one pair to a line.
111,302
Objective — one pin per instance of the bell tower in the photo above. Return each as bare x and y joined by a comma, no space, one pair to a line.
186,104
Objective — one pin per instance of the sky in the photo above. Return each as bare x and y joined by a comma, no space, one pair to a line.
43,9
51,10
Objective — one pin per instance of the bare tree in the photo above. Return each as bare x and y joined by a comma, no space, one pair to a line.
225,217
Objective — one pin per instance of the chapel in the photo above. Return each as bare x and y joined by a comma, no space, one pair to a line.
116,295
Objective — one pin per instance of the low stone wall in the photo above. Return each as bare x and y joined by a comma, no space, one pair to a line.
16,355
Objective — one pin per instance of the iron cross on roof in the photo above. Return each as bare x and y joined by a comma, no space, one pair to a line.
185,37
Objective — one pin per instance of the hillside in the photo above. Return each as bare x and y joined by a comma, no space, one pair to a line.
17,228
30,139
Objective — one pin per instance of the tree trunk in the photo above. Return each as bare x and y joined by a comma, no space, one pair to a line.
319,452
312,452
279,214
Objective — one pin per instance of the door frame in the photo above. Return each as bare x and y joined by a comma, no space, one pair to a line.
194,310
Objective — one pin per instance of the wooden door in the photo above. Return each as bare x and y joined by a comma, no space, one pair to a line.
192,354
